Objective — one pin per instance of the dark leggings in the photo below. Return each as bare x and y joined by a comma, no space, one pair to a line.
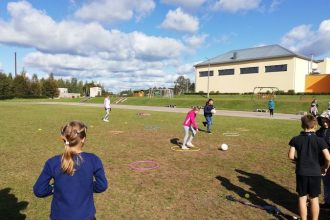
271,112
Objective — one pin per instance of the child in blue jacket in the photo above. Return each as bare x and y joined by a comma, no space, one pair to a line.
76,175
208,115
271,107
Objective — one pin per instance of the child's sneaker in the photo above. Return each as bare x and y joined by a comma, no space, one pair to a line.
190,145
105,120
185,148
204,123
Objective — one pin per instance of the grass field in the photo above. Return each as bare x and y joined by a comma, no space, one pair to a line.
284,103
188,185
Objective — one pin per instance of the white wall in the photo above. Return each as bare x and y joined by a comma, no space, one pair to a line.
95,91
302,68
324,66
240,83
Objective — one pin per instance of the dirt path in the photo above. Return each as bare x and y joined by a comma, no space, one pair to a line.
178,110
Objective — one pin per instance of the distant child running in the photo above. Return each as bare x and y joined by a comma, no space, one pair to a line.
313,110
190,128
208,115
271,107
76,176
324,133
309,147
107,108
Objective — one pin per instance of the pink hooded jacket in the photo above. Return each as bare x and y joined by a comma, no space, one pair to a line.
190,119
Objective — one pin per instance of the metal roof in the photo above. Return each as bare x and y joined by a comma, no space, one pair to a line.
249,54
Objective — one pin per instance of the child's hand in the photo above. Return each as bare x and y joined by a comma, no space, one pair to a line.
324,171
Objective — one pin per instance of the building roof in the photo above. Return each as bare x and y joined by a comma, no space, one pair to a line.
249,54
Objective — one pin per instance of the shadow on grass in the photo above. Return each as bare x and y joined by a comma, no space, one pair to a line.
262,189
176,141
10,208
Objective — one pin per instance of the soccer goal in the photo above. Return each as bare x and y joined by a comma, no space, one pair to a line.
261,95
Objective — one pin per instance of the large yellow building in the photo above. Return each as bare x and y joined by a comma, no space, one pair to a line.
240,71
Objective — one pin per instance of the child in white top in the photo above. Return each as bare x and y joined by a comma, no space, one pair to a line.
107,108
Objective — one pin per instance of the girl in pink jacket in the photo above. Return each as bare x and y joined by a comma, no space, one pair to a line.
190,128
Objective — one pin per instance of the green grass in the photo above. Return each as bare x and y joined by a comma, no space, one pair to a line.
284,103
187,185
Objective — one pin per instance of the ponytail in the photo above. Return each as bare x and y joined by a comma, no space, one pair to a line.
72,134
67,162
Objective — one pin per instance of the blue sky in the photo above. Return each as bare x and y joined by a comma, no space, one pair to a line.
136,44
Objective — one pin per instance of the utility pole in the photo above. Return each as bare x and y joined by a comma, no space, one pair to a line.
15,65
208,79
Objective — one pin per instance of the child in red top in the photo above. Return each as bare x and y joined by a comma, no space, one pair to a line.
190,128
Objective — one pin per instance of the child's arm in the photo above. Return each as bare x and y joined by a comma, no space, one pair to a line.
291,153
100,184
193,121
42,188
326,166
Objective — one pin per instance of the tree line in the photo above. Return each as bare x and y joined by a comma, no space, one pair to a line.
21,86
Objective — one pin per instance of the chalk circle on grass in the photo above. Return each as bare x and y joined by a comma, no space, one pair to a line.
231,134
152,127
178,149
144,165
116,132
142,114
243,129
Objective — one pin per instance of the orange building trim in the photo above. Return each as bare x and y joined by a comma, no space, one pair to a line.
317,83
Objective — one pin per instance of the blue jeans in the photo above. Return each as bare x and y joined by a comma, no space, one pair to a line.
209,122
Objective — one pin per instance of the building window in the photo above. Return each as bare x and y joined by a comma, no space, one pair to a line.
249,70
205,73
225,72
276,68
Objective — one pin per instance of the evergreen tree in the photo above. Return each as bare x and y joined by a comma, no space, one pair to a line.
49,87
21,85
5,87
35,87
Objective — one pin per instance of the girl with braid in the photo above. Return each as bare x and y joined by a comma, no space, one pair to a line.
76,176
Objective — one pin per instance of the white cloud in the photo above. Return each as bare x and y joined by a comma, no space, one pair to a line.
189,4
1,67
109,11
303,39
234,6
274,5
195,40
180,21
225,38
88,50
186,69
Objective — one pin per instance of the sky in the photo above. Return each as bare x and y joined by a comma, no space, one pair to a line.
145,43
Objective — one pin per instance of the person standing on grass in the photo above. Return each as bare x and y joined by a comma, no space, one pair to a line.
314,101
313,110
190,128
324,133
208,115
76,176
309,147
271,107
107,108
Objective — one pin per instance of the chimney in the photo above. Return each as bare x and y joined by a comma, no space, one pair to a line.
234,57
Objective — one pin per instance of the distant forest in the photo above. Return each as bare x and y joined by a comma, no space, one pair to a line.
21,86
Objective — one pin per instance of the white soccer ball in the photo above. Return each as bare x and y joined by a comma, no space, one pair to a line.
224,147
213,111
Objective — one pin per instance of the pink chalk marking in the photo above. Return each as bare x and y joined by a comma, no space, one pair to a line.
135,165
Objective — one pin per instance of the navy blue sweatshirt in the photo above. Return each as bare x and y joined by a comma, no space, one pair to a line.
72,195
207,110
